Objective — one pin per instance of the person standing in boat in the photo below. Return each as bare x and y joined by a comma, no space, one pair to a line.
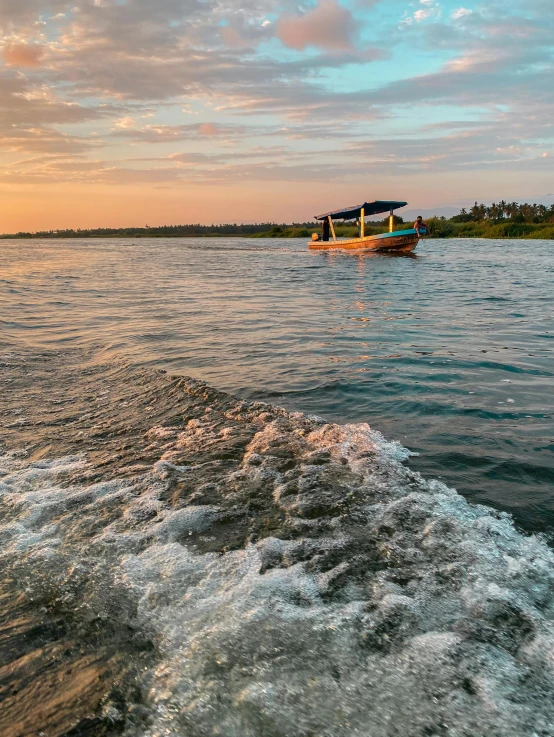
421,227
325,230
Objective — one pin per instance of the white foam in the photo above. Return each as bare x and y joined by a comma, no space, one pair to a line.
460,644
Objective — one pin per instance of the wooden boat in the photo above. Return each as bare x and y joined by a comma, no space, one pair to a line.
402,241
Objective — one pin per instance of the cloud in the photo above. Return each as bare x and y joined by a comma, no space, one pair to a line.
232,37
328,26
211,129
12,11
431,9
157,133
24,103
126,123
30,114
158,51
461,13
23,54
246,30
420,15
43,140
312,104
191,159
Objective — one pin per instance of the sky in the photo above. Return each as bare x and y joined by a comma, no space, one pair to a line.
147,112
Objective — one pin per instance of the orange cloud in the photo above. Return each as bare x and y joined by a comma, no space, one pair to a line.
329,26
23,54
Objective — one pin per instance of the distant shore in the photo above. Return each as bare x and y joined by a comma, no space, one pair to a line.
439,228
499,220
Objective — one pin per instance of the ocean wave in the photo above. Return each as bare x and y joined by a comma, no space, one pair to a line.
267,573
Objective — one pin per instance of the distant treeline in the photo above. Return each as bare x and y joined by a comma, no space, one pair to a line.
499,220
166,231
502,211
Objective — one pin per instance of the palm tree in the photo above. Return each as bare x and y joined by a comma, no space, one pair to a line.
478,212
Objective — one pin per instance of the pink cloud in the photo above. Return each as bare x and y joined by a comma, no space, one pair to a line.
23,54
209,129
329,26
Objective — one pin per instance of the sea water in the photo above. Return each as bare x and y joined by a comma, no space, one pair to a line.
451,351
178,561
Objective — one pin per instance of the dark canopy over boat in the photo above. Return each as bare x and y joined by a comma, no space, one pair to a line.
369,208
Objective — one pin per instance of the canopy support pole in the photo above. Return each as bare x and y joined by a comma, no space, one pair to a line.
391,221
332,228
362,223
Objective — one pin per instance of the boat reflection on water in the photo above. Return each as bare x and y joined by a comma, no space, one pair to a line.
364,255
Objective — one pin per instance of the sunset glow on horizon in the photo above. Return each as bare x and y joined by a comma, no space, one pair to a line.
131,112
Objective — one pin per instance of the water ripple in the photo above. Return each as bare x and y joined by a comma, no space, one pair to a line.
449,351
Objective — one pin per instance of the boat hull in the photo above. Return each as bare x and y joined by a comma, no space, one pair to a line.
400,241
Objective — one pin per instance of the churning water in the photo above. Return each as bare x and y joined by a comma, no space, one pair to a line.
180,562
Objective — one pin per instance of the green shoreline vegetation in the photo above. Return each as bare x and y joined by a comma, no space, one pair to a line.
499,220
